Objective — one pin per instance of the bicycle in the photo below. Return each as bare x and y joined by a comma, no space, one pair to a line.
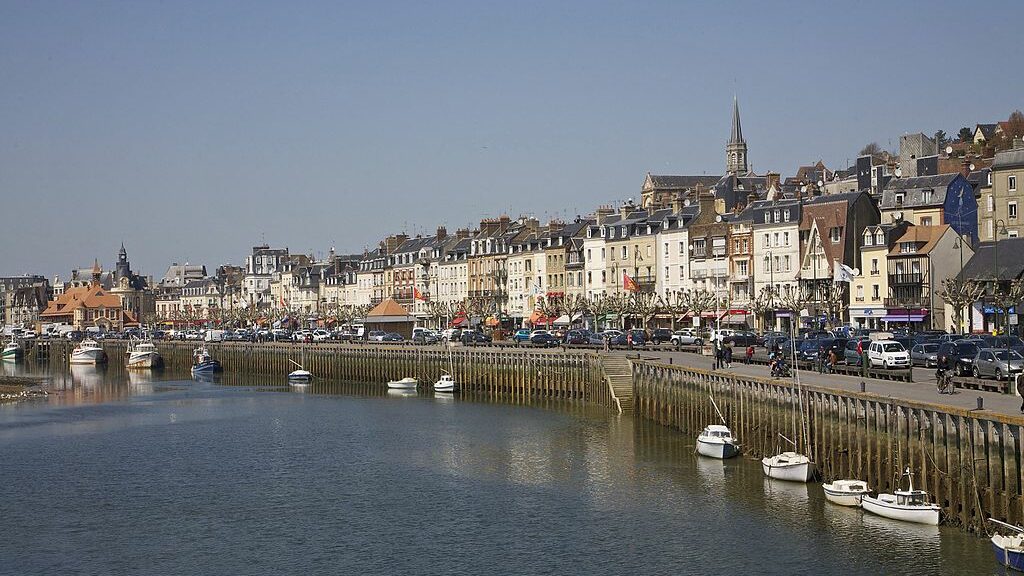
944,382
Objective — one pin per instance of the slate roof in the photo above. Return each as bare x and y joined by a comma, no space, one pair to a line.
987,130
914,188
982,266
759,207
848,197
1009,159
682,182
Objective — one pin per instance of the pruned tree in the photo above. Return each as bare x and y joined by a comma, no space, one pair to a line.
601,306
698,301
551,307
1007,296
674,304
644,305
794,300
833,298
960,294
576,305
761,303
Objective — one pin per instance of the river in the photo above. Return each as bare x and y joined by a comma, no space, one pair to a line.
160,475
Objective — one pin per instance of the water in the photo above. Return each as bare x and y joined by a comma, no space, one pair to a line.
173,477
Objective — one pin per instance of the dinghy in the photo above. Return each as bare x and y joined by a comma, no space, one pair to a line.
1009,549
406,383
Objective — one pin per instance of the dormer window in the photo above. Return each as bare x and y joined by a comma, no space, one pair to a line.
879,238
899,199
868,237
767,217
785,215
907,248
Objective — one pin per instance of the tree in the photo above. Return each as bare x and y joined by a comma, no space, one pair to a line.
965,134
674,304
794,300
1015,125
576,305
870,149
761,303
1005,298
941,139
699,301
833,298
960,294
643,305
601,306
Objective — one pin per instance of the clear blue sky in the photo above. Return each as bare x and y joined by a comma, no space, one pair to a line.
190,130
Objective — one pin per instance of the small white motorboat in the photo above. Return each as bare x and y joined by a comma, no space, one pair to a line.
908,505
1009,550
717,441
407,383
446,384
12,351
144,355
788,466
846,492
299,376
88,352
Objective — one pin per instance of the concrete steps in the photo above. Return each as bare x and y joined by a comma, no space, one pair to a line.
618,372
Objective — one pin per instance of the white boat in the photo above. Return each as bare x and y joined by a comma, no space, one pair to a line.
13,351
299,376
144,355
203,363
717,441
1009,550
406,383
908,505
788,466
446,384
88,352
846,492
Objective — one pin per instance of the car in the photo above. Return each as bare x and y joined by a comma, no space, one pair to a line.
392,337
958,356
636,337
576,337
451,334
782,342
998,363
850,355
321,335
474,337
742,339
926,354
763,338
376,335
888,354
686,337
661,335
521,335
542,338
425,337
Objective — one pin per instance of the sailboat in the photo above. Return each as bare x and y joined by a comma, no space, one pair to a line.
447,383
717,441
1009,550
13,351
908,505
789,465
300,376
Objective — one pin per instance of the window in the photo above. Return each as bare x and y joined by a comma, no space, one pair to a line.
699,247
990,202
1011,183
785,238
874,266
836,233
926,221
682,273
775,239
666,248
989,227
879,238
682,248
899,199
589,257
602,257
590,277
666,270
1011,233
786,260
767,265
990,178
767,243
767,217
1011,209
860,293
868,237
907,248
785,215
777,218
718,246
624,253
926,196
874,291
650,251
777,263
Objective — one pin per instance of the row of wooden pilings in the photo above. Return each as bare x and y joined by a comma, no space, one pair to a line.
969,461
514,372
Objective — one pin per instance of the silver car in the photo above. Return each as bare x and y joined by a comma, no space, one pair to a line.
992,362
926,355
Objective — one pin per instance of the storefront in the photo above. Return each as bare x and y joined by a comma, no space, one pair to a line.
914,319
868,317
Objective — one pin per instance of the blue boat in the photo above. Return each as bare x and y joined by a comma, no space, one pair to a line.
1009,550
203,363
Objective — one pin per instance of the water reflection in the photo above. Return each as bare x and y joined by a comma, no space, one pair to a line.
393,393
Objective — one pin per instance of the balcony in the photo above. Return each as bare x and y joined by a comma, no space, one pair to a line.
911,302
906,279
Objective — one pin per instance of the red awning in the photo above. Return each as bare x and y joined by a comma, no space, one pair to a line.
537,319
458,321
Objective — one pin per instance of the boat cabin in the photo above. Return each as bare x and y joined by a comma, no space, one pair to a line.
911,497
717,431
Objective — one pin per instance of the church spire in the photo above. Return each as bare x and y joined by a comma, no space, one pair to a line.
736,149
737,130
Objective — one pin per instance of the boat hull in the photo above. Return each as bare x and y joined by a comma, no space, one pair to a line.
402,385
843,498
915,514
12,354
145,360
90,356
720,450
1006,555
797,472
207,367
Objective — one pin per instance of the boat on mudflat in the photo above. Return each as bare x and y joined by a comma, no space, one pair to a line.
788,466
203,363
12,351
144,355
406,383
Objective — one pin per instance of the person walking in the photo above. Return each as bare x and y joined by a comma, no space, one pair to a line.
821,359
750,354
719,353
728,354
832,360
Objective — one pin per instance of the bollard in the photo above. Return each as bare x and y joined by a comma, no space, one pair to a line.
981,403
863,387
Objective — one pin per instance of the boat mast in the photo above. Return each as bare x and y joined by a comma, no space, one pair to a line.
720,417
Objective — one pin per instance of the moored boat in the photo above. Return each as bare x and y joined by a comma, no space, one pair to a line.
846,492
717,441
204,363
907,505
788,466
406,383
144,355
88,352
1009,549
446,384
13,351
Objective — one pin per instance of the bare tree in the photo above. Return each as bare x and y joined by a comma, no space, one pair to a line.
761,303
601,306
870,149
698,301
833,298
576,305
674,304
794,300
644,305
960,294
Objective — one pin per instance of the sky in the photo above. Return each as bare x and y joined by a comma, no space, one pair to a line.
192,131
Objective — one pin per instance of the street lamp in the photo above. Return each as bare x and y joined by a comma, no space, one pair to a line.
771,277
1000,231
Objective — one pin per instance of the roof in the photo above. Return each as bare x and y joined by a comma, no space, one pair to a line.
914,190
848,197
1010,260
682,182
88,297
1009,159
987,130
736,135
924,237
388,307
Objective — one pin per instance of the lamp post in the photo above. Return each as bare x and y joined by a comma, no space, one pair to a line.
1000,230
771,277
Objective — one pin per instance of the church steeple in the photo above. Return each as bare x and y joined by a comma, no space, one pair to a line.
124,268
736,149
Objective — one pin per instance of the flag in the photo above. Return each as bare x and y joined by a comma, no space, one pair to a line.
282,302
843,273
417,294
628,284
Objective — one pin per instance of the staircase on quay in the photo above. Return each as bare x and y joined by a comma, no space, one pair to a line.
618,373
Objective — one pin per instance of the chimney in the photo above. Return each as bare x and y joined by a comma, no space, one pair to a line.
555,226
442,233
626,208
603,213
771,179
677,204
751,198
707,202
462,233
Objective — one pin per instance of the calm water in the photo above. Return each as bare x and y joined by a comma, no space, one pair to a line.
175,477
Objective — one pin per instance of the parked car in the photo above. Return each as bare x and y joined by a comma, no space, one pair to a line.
577,337
543,338
474,337
958,356
850,355
451,334
687,337
762,340
661,335
782,341
376,335
997,363
888,354
637,337
926,355
425,337
742,339
392,337
521,335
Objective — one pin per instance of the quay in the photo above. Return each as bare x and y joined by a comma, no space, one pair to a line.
967,450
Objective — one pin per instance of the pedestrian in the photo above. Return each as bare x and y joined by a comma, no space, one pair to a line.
629,339
718,354
750,354
728,354
821,359
832,360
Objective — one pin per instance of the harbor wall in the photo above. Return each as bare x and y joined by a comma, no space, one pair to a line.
969,461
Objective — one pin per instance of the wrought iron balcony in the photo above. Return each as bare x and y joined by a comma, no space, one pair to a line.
911,302
905,278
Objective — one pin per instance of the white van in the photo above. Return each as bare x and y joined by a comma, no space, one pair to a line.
888,354
214,336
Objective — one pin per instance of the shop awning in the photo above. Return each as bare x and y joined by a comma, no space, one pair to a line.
537,318
903,318
562,320
735,318
492,321
458,321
